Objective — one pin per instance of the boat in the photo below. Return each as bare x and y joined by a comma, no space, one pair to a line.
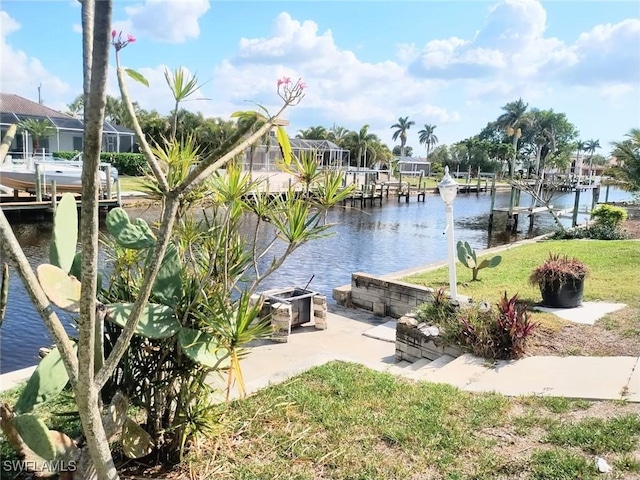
21,174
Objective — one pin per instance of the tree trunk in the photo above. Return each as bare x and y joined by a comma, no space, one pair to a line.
95,77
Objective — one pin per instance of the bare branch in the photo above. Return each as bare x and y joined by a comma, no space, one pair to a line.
145,147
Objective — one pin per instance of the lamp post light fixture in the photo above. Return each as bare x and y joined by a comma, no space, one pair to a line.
448,189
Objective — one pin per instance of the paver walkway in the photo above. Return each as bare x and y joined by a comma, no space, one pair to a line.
597,378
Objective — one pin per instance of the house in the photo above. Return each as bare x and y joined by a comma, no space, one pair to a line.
265,157
69,130
414,166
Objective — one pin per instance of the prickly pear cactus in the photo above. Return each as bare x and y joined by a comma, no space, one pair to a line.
46,382
64,238
136,235
62,289
35,435
467,257
76,271
157,321
203,348
168,285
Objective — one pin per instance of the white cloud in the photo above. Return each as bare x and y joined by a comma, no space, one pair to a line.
172,21
512,47
342,88
8,24
21,74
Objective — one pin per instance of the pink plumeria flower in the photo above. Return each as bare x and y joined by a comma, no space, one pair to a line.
119,43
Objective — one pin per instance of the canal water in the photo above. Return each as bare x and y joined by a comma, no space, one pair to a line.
378,240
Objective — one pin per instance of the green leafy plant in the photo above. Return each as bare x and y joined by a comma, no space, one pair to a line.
467,257
609,215
496,334
133,164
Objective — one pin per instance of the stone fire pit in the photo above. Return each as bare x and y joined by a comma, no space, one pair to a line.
293,306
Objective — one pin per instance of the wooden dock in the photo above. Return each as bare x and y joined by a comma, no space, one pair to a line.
8,204
46,200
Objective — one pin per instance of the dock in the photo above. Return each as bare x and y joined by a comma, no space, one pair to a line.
44,200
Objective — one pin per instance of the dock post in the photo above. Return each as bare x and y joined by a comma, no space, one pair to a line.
595,192
479,179
108,172
54,196
493,201
38,183
118,193
576,203
606,195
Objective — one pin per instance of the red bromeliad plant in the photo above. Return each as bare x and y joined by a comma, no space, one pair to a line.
513,327
497,335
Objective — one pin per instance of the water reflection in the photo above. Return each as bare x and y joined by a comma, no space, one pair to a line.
379,240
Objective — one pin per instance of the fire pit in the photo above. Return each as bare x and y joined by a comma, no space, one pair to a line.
300,301
293,306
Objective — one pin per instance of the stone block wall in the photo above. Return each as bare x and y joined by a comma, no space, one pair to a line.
414,343
386,297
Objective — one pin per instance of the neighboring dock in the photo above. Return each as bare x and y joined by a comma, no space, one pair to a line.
44,200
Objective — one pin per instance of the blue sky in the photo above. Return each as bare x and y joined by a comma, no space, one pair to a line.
452,64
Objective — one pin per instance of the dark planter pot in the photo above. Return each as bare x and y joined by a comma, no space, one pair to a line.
562,295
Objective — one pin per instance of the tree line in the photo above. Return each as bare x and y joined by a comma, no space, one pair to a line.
529,138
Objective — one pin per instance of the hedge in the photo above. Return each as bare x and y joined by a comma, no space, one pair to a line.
127,163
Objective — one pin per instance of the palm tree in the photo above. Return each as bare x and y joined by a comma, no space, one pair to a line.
338,135
38,129
313,133
512,121
627,153
403,125
590,147
427,137
580,147
363,141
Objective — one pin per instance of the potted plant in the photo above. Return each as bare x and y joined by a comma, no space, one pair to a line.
561,281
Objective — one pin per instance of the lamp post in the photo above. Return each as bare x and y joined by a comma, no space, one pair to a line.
448,189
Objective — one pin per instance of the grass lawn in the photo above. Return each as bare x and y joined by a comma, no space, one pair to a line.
343,421
614,277
614,271
130,184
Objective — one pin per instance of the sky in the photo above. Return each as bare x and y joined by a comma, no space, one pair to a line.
452,64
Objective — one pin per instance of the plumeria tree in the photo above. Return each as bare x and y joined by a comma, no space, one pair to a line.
87,370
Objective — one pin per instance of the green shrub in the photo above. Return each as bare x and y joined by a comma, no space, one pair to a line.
485,332
132,164
608,215
595,231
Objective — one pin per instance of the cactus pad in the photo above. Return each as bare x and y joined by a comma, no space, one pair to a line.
168,285
46,382
35,435
203,348
135,235
136,443
61,289
64,238
157,321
